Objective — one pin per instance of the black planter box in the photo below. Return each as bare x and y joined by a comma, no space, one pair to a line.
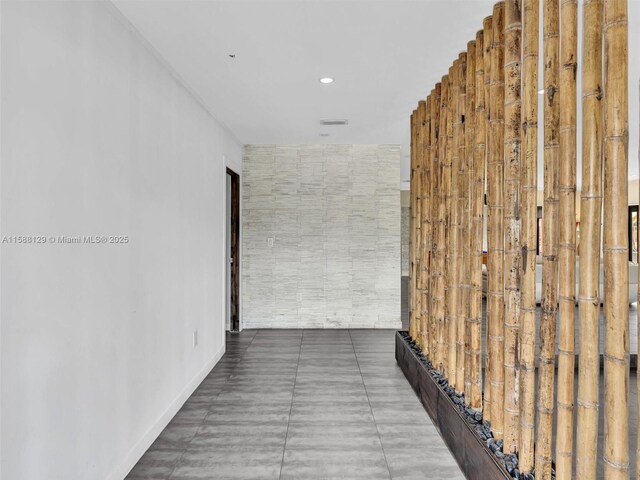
476,461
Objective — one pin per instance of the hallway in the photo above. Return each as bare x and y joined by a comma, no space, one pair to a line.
301,404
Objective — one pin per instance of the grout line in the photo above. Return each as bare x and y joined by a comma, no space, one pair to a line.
295,379
369,402
212,402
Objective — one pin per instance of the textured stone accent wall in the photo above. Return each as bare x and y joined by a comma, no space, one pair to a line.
406,217
321,236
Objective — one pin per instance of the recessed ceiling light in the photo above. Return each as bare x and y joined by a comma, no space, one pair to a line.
326,80
324,134
541,92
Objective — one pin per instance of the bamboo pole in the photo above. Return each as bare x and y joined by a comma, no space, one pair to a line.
477,223
512,145
460,212
567,238
443,214
412,228
437,296
495,173
471,355
487,28
591,227
425,226
529,181
616,265
549,304
452,230
420,226
423,192
428,232
417,307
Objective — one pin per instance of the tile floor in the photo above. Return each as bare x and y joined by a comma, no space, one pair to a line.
301,404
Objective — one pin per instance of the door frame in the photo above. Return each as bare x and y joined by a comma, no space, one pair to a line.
233,262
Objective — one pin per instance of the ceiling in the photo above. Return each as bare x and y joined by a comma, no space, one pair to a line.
384,56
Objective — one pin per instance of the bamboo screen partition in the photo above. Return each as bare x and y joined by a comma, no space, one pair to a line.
475,140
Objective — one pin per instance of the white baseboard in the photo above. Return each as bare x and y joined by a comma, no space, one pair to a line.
150,436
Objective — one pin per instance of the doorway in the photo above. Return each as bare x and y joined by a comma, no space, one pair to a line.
233,251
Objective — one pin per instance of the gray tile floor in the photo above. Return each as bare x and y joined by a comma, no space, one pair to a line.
301,404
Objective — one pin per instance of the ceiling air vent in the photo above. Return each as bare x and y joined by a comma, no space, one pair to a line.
334,122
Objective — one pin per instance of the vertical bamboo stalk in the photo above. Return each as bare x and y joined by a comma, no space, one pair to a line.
443,214
529,188
412,227
591,227
460,208
471,361
420,263
416,309
512,145
549,304
495,173
616,265
419,220
567,237
427,231
426,226
477,224
452,230
437,295
487,28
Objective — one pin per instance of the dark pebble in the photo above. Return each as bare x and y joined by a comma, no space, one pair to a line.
499,454
478,416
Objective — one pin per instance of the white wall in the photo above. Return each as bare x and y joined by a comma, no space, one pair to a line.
99,138
333,213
